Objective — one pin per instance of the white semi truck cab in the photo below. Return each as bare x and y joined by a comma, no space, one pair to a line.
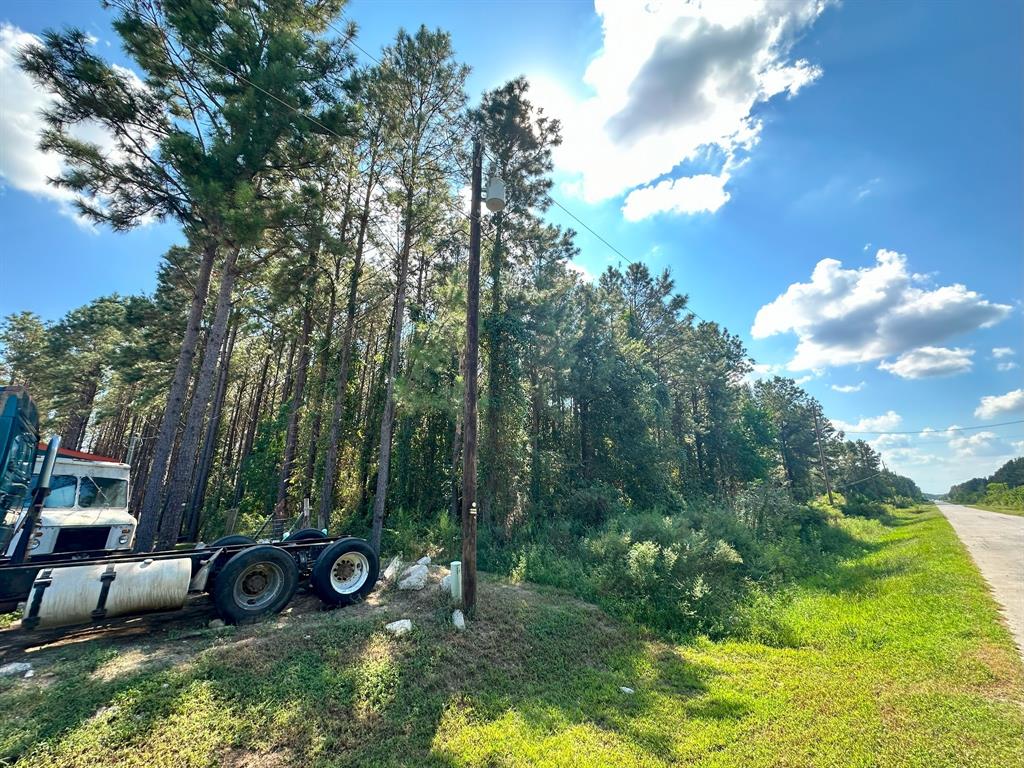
86,511
66,540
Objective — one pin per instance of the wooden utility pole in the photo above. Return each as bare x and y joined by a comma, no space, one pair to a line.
469,424
824,466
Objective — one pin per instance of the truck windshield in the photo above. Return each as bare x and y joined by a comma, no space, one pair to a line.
62,492
103,492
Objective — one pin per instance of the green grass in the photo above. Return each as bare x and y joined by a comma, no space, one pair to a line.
999,508
894,656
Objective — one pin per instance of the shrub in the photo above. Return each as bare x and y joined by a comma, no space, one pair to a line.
861,507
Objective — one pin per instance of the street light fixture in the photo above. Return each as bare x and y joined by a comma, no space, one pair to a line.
495,201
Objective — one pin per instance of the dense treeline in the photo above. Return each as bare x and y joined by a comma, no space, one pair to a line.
306,340
1003,488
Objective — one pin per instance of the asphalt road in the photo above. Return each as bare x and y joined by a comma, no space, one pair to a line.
996,543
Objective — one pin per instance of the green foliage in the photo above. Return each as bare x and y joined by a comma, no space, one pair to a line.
682,572
820,673
1004,489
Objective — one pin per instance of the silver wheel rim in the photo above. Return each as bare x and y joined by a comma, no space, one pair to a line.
258,586
349,573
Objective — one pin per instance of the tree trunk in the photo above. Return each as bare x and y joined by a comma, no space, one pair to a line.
341,383
198,497
149,513
319,392
535,413
74,435
182,473
387,421
492,414
298,392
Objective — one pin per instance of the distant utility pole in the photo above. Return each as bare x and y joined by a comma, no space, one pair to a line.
821,457
472,364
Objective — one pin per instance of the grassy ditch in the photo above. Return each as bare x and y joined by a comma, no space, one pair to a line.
892,656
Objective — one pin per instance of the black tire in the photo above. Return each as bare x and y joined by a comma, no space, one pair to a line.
232,540
306,534
354,566
256,582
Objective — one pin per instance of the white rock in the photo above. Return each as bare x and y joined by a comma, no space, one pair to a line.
391,572
399,628
458,620
30,673
626,690
425,560
15,668
414,578
445,585
215,623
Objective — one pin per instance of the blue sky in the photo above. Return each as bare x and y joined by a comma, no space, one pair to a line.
738,145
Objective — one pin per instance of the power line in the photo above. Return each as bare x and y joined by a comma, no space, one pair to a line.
576,218
855,482
930,431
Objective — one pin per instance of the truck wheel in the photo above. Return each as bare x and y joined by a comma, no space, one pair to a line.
233,539
256,582
306,534
345,572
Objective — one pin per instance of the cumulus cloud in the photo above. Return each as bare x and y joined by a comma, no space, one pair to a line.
998,352
984,443
22,164
690,194
1007,366
849,388
930,361
995,406
938,457
888,420
675,82
844,316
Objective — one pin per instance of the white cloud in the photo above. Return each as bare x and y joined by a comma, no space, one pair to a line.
22,164
867,188
585,274
1007,366
769,369
690,194
930,361
998,352
848,388
937,458
885,422
977,444
674,82
994,406
845,316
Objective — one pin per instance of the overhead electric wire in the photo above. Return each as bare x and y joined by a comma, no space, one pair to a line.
929,430
276,98
349,40
862,480
551,197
